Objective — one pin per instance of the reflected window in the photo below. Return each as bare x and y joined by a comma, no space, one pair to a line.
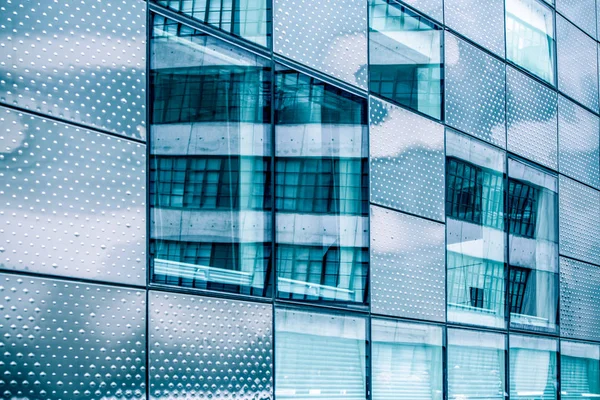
532,367
210,164
475,231
320,356
476,362
532,205
407,361
321,191
579,370
405,57
530,37
249,19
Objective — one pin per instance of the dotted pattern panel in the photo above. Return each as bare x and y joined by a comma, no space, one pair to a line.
329,36
67,340
531,119
73,201
407,161
202,347
580,12
579,299
407,266
579,142
82,60
432,8
474,91
579,221
483,25
577,64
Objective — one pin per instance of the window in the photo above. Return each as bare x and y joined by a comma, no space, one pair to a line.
532,367
579,370
530,37
475,237
405,57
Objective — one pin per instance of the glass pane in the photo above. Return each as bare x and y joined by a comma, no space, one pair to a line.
532,207
322,193
475,235
210,164
579,370
407,361
532,368
530,37
405,53
476,365
249,19
320,356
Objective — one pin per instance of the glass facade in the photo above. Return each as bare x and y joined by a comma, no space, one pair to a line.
300,199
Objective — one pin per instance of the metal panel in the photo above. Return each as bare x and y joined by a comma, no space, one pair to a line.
580,12
432,8
579,221
579,299
68,340
206,347
475,106
408,267
84,62
73,201
407,161
531,119
577,64
329,36
579,142
483,25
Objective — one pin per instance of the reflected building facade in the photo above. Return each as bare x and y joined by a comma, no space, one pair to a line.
294,199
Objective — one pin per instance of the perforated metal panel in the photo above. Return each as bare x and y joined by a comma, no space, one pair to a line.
577,64
68,340
431,8
579,12
579,221
579,299
483,25
202,347
408,266
474,91
407,160
579,142
81,60
73,201
329,36
531,119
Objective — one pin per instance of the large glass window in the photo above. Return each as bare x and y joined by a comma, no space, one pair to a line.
210,166
476,365
405,57
320,356
407,361
533,248
579,370
475,234
321,190
530,37
532,367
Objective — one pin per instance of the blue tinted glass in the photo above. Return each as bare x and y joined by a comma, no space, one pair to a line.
533,367
579,370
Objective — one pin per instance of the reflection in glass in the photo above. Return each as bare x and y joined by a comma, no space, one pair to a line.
319,356
321,190
532,368
476,366
530,37
579,370
250,19
405,57
407,360
210,175
475,231
533,248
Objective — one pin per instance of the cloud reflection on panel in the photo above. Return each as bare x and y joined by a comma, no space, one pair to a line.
73,201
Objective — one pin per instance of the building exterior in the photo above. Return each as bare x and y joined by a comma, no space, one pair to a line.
300,199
